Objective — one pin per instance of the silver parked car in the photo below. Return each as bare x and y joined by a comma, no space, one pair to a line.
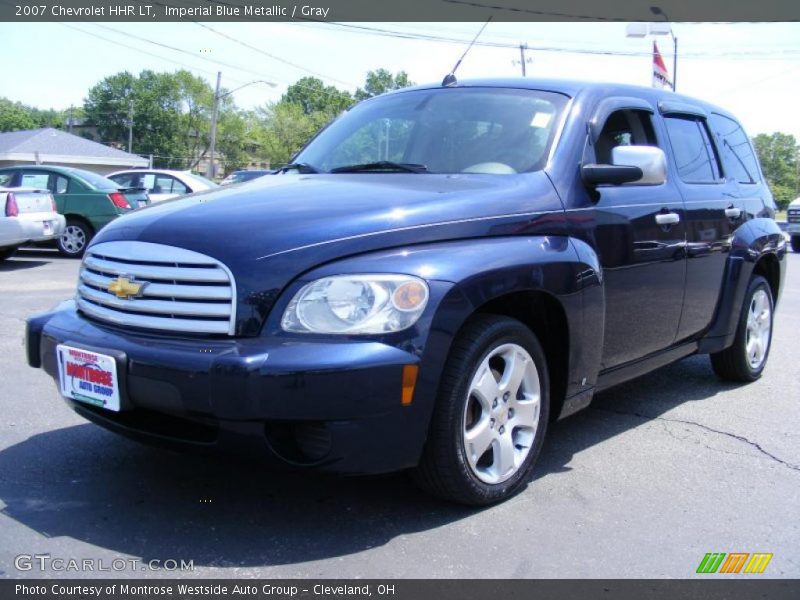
27,215
162,184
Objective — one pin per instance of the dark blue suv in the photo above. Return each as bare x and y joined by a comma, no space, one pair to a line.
440,273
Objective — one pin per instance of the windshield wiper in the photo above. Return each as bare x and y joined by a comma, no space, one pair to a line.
300,167
382,165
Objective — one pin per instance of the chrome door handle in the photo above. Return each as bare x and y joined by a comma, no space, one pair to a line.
669,218
733,213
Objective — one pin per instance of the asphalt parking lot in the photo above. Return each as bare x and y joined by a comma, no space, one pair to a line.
654,475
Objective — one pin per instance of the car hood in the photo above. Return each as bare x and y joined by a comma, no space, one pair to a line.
272,229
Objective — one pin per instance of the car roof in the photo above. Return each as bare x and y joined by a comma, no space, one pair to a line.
573,88
57,168
161,171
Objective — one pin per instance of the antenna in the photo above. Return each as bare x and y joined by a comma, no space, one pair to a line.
450,78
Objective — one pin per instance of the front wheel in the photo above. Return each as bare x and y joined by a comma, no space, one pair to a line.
745,360
73,241
491,414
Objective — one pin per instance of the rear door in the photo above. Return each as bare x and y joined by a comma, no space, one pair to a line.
713,211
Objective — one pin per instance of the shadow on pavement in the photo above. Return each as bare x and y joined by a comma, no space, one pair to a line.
87,484
14,264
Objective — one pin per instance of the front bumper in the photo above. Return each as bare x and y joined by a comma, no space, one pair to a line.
331,404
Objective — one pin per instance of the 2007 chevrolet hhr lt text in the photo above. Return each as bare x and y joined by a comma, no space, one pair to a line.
441,272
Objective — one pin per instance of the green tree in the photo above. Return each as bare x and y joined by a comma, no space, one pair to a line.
286,128
313,96
382,81
778,155
15,116
171,117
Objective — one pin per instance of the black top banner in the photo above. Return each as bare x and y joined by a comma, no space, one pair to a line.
397,10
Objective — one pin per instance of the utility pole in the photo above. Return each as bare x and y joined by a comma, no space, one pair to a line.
523,61
130,126
69,124
213,141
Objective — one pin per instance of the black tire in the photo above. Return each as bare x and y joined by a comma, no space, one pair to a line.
733,363
77,235
444,469
796,243
7,253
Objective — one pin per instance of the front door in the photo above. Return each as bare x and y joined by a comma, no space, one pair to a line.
640,235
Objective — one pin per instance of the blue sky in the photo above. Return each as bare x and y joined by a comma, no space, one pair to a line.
752,69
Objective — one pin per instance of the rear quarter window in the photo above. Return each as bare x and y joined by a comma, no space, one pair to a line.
737,153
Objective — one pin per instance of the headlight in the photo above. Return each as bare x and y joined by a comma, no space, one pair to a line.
355,304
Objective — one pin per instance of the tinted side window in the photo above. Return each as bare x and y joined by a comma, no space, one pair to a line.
125,180
737,153
624,128
6,178
694,153
166,184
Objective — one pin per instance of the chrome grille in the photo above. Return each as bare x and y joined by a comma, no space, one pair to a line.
184,291
793,216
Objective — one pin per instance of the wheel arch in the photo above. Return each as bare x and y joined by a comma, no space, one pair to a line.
758,248
544,315
768,266
82,219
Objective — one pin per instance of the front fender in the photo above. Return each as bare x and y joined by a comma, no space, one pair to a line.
753,242
465,275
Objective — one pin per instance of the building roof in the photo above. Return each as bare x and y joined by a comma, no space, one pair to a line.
56,146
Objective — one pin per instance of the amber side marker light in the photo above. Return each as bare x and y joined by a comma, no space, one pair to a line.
409,381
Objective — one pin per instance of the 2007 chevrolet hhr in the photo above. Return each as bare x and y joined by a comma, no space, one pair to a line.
441,272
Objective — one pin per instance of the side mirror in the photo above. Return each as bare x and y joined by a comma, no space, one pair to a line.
609,174
651,160
640,165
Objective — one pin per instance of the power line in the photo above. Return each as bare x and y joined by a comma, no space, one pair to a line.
182,51
383,32
541,13
160,57
272,56
230,66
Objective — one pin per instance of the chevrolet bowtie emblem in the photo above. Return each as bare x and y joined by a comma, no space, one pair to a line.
122,287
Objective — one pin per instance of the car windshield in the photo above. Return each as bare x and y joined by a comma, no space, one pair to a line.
98,182
444,130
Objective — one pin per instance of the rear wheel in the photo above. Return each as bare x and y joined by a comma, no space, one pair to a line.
75,238
745,360
796,243
7,252
491,414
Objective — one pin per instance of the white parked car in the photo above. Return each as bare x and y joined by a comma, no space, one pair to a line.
27,215
793,225
162,184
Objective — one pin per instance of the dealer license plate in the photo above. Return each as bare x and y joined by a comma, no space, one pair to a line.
88,377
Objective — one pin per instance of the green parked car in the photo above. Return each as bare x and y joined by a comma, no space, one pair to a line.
87,200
